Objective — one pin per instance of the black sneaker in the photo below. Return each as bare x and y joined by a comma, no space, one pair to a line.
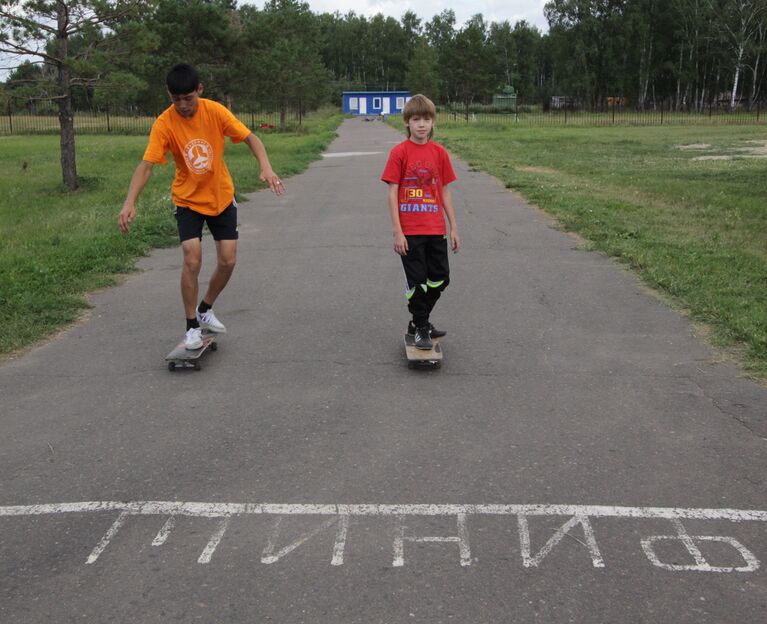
433,331
422,338
436,333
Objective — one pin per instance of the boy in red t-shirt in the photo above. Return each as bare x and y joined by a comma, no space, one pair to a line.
193,130
418,172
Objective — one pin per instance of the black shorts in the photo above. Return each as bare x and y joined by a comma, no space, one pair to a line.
222,227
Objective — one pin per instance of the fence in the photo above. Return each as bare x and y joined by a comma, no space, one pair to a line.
613,116
106,122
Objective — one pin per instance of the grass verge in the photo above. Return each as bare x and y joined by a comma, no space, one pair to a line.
683,206
57,245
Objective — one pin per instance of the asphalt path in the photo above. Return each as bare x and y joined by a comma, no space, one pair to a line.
581,456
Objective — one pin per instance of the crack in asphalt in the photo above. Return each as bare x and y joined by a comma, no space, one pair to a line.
723,411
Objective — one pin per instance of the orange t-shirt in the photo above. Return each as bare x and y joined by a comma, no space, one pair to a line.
202,181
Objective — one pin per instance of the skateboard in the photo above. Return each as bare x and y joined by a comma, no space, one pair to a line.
429,358
181,357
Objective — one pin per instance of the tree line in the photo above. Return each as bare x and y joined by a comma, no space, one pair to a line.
688,53
683,54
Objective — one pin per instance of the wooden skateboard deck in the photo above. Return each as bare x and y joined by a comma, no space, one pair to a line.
181,357
422,357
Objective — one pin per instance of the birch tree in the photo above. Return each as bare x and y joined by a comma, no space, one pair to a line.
740,22
757,67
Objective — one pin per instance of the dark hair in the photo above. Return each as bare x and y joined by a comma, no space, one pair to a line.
182,79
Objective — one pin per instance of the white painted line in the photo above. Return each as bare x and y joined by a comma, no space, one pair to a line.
399,544
107,538
340,546
534,561
689,543
462,540
700,565
269,556
347,154
162,535
741,559
214,541
297,510
591,542
218,510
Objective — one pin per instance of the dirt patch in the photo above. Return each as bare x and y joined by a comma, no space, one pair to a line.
719,157
752,149
757,148
544,170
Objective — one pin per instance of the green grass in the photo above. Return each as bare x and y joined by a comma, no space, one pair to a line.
571,119
57,245
693,229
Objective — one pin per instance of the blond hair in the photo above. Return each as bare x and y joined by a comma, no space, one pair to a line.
419,106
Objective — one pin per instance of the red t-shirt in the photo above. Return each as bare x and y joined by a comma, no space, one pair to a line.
420,171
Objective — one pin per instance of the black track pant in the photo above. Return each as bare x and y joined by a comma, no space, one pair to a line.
427,273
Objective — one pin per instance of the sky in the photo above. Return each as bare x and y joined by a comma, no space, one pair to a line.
492,10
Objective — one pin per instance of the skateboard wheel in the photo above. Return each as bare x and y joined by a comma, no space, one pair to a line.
197,366
171,366
214,347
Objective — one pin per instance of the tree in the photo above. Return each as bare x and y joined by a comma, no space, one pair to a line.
606,48
203,33
691,17
576,46
423,71
740,23
757,67
5,98
389,51
440,33
28,84
411,26
526,41
280,59
43,30
471,62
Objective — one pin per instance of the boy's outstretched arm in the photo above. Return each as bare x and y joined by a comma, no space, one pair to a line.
455,241
138,182
400,242
267,174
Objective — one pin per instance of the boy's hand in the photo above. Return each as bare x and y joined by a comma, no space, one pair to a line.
400,244
273,180
127,215
455,241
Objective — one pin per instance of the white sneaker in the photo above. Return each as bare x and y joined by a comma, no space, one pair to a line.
209,321
193,339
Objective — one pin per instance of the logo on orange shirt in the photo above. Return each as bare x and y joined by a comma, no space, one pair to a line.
199,156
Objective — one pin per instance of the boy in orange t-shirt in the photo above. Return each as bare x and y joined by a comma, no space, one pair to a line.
193,130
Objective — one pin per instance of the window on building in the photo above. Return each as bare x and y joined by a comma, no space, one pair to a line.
400,103
377,102
353,104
